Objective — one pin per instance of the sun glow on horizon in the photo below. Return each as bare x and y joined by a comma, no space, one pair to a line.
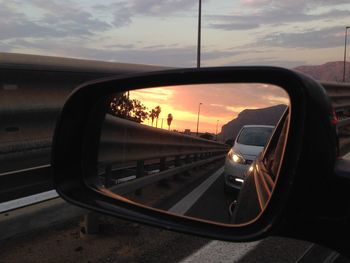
221,103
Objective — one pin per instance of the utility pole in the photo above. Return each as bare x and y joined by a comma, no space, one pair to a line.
199,34
346,37
199,110
216,133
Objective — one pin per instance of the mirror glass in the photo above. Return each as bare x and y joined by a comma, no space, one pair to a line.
209,151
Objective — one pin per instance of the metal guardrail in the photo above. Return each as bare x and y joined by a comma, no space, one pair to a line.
139,183
29,106
124,141
128,144
339,94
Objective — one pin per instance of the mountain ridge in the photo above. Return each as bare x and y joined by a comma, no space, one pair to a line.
329,71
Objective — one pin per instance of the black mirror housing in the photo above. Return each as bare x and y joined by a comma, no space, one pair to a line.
305,173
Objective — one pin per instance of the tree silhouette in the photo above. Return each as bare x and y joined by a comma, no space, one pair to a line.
123,107
157,111
139,111
169,120
152,115
207,136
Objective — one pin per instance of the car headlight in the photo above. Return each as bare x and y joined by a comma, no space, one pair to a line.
236,157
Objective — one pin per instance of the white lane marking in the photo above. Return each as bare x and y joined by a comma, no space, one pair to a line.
220,251
332,257
125,179
189,200
28,200
10,86
346,156
25,170
153,171
305,252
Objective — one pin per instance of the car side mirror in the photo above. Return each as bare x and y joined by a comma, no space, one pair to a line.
149,148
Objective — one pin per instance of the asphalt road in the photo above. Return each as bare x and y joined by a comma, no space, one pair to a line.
121,241
214,203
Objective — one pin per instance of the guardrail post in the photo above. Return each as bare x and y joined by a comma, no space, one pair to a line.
162,167
140,170
108,173
177,163
195,159
90,224
187,161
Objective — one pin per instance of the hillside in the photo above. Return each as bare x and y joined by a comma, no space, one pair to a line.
330,71
265,116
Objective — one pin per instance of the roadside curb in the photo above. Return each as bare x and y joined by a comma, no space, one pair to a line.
34,217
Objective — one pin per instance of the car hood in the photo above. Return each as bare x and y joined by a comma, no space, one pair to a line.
247,151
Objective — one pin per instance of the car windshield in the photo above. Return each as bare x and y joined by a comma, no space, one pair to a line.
255,136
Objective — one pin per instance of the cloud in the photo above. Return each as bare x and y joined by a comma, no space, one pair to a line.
53,20
124,12
259,13
173,55
176,57
161,7
295,3
121,46
220,102
225,98
324,38
234,26
271,61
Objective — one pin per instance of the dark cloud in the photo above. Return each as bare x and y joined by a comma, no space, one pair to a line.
324,38
161,7
121,46
59,20
23,29
123,12
172,55
276,13
270,61
221,99
290,4
234,26
175,57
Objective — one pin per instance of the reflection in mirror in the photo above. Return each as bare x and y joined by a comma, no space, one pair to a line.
209,151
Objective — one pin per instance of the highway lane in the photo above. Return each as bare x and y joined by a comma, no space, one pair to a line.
214,200
214,203
26,157
207,200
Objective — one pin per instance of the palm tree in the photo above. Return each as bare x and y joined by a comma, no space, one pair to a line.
152,115
169,120
157,112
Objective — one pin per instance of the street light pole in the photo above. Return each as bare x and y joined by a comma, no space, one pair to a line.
199,110
346,37
216,133
199,34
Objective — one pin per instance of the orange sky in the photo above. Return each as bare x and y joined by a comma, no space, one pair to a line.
221,102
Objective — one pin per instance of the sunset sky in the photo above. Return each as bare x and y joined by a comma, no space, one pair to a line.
221,102
286,33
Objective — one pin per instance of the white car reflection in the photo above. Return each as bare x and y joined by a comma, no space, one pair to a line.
248,144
